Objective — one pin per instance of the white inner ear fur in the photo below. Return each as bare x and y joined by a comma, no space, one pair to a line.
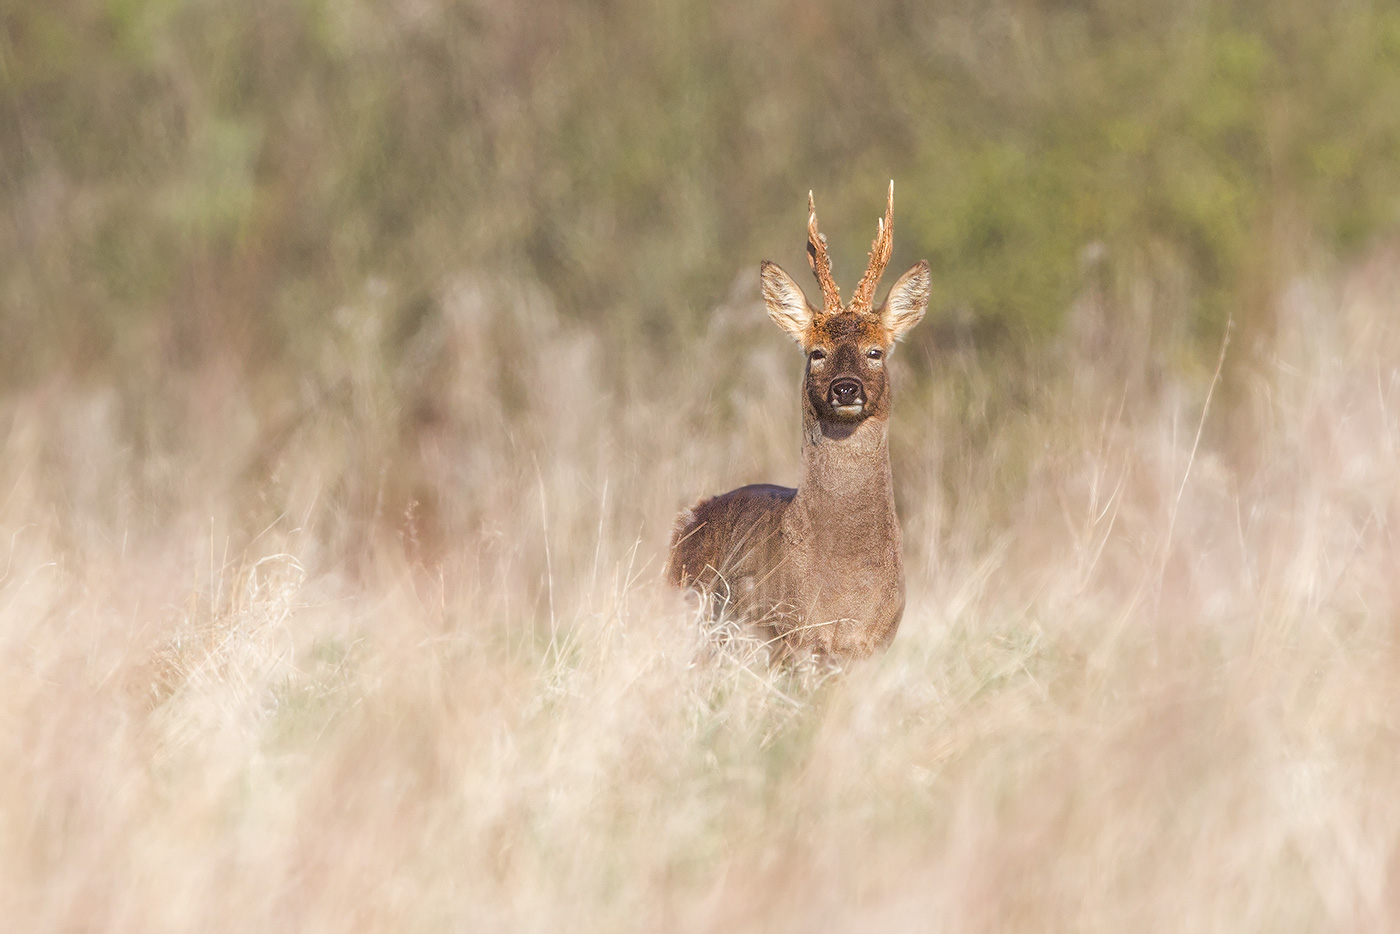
787,305
907,301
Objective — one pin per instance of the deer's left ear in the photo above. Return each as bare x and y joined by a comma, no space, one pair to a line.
907,301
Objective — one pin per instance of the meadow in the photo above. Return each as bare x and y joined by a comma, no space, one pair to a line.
356,358
1133,689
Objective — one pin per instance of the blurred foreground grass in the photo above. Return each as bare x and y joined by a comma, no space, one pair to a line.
1135,688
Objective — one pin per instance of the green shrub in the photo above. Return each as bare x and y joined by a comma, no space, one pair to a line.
197,176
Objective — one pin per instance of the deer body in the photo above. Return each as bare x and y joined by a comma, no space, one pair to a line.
817,569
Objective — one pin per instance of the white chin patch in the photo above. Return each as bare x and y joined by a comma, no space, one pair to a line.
848,411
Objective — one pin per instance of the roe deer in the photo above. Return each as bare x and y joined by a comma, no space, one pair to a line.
817,570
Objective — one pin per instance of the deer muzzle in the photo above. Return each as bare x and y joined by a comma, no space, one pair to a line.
847,397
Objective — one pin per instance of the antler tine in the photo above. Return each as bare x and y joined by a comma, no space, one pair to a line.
879,257
820,262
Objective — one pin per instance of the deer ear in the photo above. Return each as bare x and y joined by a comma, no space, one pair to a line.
907,301
787,306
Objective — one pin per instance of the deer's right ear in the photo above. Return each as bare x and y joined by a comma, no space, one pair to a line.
787,306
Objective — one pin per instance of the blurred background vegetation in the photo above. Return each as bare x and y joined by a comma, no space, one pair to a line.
192,186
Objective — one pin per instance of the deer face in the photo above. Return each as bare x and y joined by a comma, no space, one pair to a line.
846,345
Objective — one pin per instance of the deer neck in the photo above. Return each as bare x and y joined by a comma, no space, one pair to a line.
846,481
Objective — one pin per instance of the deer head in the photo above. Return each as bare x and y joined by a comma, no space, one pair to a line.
846,344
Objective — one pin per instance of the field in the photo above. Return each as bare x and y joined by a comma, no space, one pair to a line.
356,357
1132,690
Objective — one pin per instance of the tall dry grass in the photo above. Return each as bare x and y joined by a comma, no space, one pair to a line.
384,665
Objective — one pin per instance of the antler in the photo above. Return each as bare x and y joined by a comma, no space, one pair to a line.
820,262
879,257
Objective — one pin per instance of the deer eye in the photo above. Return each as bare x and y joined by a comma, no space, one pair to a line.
874,353
817,355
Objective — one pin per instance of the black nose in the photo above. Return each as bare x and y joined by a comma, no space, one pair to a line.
846,392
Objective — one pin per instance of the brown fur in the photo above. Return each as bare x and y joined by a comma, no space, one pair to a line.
818,569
